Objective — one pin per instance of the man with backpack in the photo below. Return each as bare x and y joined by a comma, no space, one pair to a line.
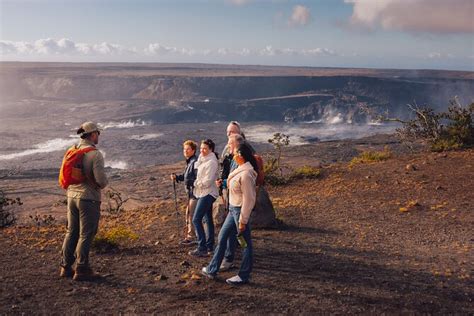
82,174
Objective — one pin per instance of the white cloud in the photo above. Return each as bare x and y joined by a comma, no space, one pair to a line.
161,50
223,51
51,48
319,51
244,52
63,46
434,55
239,2
300,16
430,16
438,55
268,51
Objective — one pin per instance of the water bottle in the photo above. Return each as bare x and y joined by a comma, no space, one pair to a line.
241,240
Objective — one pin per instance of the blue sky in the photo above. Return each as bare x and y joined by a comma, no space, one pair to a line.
433,34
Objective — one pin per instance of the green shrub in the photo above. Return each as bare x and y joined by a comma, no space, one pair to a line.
115,201
445,145
7,214
371,156
279,141
449,130
306,172
113,238
275,179
43,220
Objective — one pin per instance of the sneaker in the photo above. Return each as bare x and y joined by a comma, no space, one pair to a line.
206,273
198,253
226,266
187,242
236,280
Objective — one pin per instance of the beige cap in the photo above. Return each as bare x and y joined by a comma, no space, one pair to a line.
88,127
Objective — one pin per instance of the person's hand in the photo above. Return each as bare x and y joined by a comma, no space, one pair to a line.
173,176
219,183
242,227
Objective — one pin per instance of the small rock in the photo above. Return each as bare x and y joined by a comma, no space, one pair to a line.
185,264
152,178
157,243
161,277
367,177
71,292
116,176
195,277
411,167
439,188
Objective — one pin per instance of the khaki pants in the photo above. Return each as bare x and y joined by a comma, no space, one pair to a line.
190,235
82,224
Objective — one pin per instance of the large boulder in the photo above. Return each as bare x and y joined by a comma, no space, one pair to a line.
219,212
263,215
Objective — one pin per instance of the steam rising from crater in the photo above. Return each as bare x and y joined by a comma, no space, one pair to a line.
57,144
124,124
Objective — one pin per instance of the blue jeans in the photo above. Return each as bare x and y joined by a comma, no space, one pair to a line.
231,247
230,228
204,210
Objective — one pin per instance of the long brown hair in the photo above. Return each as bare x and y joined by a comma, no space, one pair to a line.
246,152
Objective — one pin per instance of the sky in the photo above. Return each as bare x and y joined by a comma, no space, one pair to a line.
401,34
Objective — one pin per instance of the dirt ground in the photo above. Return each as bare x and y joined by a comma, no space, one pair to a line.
387,237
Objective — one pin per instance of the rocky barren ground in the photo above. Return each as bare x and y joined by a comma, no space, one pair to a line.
387,237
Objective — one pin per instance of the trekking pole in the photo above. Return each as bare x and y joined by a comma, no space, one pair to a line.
176,206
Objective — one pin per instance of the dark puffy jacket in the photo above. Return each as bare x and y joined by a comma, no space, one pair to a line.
189,175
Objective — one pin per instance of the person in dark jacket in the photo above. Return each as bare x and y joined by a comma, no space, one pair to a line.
188,177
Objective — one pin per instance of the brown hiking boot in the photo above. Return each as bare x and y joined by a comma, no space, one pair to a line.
85,274
66,272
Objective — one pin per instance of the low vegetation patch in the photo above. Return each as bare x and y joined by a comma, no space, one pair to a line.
7,212
43,220
113,238
370,156
273,167
306,172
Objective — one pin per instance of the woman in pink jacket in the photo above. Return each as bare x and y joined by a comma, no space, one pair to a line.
242,195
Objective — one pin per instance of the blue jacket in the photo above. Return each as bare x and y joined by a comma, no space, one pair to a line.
189,175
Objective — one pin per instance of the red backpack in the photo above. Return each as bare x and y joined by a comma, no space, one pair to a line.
71,171
260,174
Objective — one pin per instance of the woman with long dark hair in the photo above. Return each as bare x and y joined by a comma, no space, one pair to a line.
242,196
206,191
